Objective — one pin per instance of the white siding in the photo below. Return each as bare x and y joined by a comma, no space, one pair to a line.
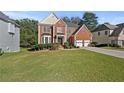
9,42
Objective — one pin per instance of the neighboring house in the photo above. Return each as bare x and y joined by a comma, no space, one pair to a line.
117,36
109,34
9,34
54,30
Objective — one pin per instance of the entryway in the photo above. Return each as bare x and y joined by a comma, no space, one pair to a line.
60,40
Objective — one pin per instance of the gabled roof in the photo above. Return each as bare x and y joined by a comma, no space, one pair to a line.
7,19
51,19
4,17
110,26
105,26
80,28
118,30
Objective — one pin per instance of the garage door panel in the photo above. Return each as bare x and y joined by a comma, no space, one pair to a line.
79,43
86,43
82,43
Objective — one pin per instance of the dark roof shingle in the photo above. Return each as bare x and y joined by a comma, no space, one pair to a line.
105,26
6,18
118,30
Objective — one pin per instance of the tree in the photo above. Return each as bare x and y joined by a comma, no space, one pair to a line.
90,20
75,20
28,31
66,19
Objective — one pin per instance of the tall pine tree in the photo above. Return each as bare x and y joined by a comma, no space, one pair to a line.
90,20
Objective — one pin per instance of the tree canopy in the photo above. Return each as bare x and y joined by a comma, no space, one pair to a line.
28,31
75,20
90,20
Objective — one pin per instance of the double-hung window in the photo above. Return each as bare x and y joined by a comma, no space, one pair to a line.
59,30
106,32
11,28
46,39
47,29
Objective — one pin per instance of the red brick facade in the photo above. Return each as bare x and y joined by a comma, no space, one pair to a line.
55,30
82,34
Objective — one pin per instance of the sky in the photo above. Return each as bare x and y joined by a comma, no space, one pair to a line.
113,17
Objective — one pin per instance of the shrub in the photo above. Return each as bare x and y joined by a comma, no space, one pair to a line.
102,45
67,45
55,46
49,45
40,46
25,45
1,52
115,45
93,44
34,48
44,46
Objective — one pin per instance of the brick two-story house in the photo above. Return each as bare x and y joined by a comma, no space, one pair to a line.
54,30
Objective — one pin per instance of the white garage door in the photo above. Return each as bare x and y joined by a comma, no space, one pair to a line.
86,43
79,43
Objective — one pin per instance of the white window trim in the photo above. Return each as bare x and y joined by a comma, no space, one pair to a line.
44,42
58,30
11,28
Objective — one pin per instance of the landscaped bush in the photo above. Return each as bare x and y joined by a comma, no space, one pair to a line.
51,46
115,45
93,44
25,45
34,48
67,45
40,46
1,52
55,46
103,45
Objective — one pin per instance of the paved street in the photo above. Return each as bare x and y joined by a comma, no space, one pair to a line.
115,53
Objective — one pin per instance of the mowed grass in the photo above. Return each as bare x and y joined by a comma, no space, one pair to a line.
60,66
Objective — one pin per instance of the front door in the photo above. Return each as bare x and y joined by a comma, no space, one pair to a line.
60,40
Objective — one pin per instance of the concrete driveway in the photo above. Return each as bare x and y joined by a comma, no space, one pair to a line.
115,53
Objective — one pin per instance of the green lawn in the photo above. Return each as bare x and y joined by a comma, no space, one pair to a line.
62,65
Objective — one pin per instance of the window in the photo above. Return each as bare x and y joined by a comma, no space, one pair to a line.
43,40
59,30
11,28
46,40
98,33
47,29
106,32
49,39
